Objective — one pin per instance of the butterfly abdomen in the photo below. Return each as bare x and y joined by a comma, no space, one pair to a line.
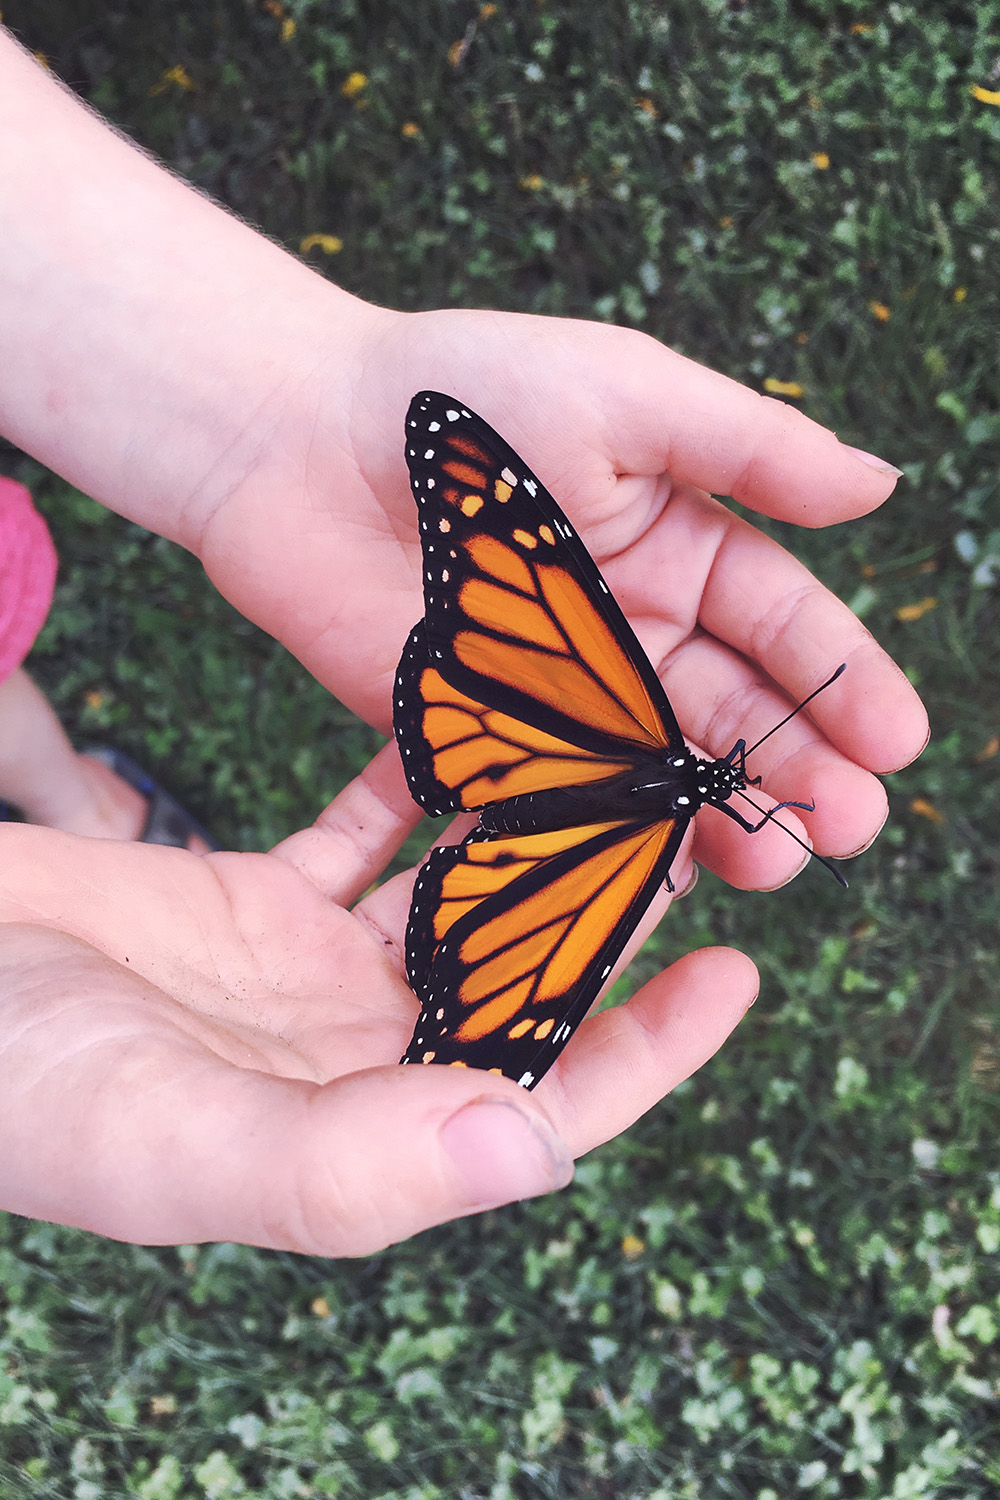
650,790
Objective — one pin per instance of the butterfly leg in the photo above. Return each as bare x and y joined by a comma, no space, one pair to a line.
738,817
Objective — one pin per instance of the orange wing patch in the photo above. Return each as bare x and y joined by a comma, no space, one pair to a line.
484,755
487,868
546,639
521,962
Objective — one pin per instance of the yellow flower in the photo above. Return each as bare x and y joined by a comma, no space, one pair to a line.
486,12
648,108
319,1307
288,29
632,1247
910,612
353,85
880,311
410,130
330,244
784,388
960,294
726,222
985,96
820,161
530,184
925,809
862,28
94,699
178,75
989,750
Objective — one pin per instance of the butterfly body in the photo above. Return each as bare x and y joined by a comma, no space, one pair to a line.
653,789
524,696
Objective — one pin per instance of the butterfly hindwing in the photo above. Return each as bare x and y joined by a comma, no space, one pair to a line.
511,939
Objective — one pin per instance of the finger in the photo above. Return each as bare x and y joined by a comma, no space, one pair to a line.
762,861
795,764
700,566
648,410
623,1061
769,607
670,414
353,839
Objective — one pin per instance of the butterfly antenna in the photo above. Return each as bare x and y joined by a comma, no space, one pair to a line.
770,818
782,722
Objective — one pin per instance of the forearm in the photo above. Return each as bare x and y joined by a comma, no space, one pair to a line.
148,334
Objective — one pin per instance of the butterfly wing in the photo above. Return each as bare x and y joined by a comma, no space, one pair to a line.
511,939
523,677
523,674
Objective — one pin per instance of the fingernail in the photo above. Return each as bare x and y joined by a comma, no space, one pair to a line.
689,887
891,770
501,1154
874,462
868,842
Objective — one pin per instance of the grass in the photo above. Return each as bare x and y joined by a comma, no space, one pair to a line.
784,1280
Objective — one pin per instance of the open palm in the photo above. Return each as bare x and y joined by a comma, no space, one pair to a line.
204,1048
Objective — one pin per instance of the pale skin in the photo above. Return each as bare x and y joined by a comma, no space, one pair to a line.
204,1048
53,784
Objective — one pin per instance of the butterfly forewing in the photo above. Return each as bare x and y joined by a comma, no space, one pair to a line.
518,617
459,753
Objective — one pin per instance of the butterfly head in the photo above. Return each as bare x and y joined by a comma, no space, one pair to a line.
713,782
718,780
687,783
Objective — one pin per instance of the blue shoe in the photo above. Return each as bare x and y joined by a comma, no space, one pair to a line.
167,822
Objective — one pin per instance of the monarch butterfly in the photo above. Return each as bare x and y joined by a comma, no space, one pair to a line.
524,694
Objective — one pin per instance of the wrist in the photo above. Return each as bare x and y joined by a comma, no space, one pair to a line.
163,346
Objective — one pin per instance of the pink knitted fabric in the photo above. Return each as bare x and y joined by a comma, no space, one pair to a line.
27,574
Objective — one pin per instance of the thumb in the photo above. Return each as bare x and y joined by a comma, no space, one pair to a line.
393,1151
343,1168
